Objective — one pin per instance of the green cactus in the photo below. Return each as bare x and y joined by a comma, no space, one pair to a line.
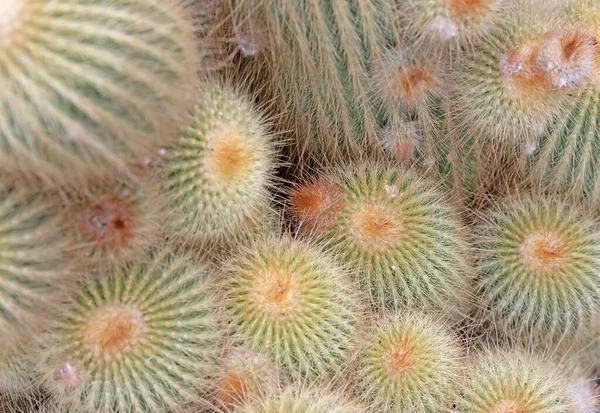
111,220
287,299
503,381
410,363
398,230
293,400
538,269
90,82
34,277
140,338
219,172
567,156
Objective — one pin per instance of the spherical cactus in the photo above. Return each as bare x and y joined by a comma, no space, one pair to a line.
219,172
139,338
287,299
410,363
293,400
111,220
505,92
244,375
538,269
90,82
451,23
33,274
504,381
398,230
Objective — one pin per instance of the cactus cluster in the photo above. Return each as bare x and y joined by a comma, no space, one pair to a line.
324,206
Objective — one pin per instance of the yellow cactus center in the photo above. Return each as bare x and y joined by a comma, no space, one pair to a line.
374,224
11,18
228,159
277,292
107,221
508,406
398,358
543,251
114,329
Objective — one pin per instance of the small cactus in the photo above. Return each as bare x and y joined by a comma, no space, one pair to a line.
538,269
398,230
139,338
287,299
503,381
293,400
90,82
410,363
219,171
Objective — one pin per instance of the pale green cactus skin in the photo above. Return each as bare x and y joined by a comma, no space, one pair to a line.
411,362
288,300
513,381
538,269
86,83
33,273
292,400
218,174
402,234
140,338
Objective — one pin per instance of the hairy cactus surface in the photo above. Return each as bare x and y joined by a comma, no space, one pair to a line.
138,338
287,299
33,272
91,82
219,171
514,381
292,400
410,363
538,267
398,230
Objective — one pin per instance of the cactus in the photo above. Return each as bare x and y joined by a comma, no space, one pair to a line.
34,277
538,269
90,82
111,220
323,81
567,157
452,24
514,381
507,92
219,172
397,229
410,363
293,400
244,375
290,301
139,338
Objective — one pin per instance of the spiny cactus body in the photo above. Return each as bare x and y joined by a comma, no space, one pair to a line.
410,363
138,338
111,219
219,171
290,301
33,274
514,381
398,230
90,82
538,267
292,400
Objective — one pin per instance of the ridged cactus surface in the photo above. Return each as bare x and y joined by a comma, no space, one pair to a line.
91,82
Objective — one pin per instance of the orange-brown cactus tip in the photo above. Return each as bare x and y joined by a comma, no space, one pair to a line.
107,221
315,205
229,158
473,8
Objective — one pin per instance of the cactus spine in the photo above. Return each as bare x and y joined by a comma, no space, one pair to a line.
137,338
399,231
290,301
90,82
538,267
